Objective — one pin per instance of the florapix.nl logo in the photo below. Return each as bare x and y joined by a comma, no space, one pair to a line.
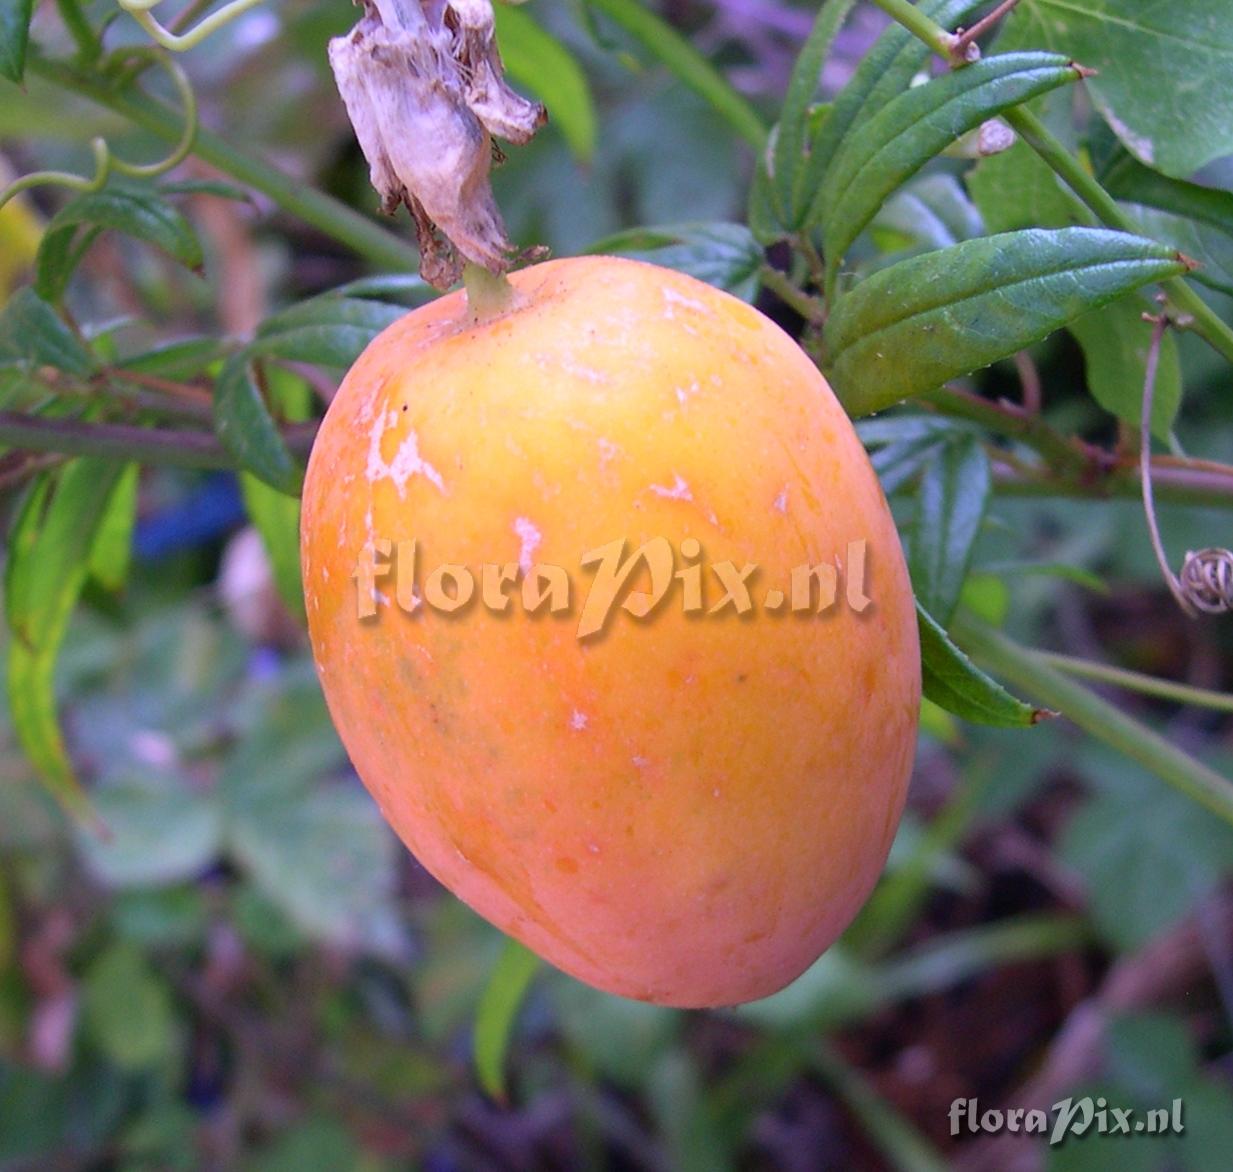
391,574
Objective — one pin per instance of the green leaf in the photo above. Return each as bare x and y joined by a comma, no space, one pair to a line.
126,1007
315,846
327,331
44,579
32,334
14,36
915,127
1147,853
884,71
795,173
724,255
950,507
137,212
952,681
113,543
176,360
535,59
678,55
505,992
909,328
1115,342
159,831
277,518
932,212
1210,246
247,430
1164,72
1018,189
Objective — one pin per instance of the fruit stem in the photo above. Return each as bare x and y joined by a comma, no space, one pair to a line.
488,294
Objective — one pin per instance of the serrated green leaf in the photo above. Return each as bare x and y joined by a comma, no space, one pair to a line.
724,255
42,588
535,59
950,507
32,334
113,543
14,37
1164,72
895,58
1115,341
503,995
913,128
792,172
139,213
676,53
952,681
909,328
247,430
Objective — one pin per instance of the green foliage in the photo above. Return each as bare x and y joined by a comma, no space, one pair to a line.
246,968
138,213
1140,50
911,129
953,682
952,311
14,36
508,984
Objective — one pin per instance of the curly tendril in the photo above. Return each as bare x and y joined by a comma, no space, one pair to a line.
105,163
140,11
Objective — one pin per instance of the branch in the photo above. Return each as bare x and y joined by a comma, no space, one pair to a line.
1097,717
179,448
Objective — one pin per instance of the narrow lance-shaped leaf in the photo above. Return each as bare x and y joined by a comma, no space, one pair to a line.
915,127
534,58
792,137
14,37
141,214
884,71
45,588
328,330
247,430
911,327
950,507
498,1008
952,681
112,551
32,334
675,52
721,254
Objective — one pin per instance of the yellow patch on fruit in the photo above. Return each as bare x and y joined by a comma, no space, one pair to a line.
685,807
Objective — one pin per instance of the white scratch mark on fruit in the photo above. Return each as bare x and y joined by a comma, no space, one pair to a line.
607,449
715,792
578,720
678,492
683,394
593,847
530,538
672,298
640,762
580,370
407,461
781,501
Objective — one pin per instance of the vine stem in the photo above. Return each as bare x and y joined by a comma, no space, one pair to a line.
300,199
1204,320
1028,671
179,448
1135,681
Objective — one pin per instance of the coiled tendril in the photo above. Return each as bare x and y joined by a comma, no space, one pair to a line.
104,161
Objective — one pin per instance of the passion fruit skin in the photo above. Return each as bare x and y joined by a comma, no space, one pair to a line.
686,809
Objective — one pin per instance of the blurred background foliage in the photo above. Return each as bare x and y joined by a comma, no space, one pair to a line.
249,972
